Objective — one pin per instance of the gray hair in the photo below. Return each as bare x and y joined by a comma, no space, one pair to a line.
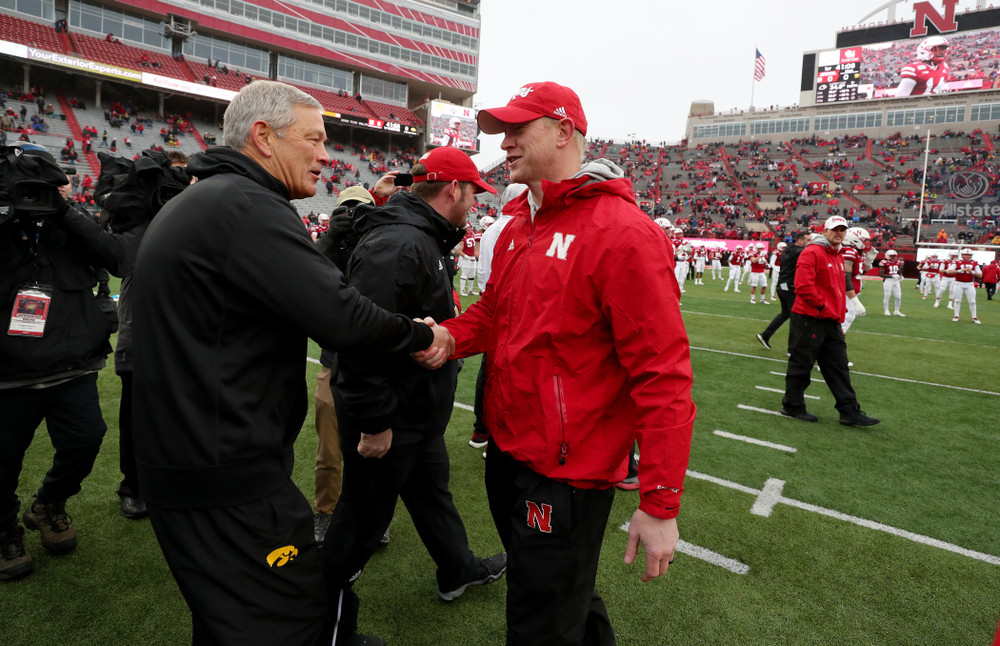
268,101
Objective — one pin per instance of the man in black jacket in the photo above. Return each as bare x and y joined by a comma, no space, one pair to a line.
392,414
786,289
227,288
54,343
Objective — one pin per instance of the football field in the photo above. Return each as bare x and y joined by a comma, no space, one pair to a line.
792,533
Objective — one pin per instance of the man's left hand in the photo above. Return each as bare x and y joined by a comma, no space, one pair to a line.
375,445
659,540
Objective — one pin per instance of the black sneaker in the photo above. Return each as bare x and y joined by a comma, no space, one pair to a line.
53,522
15,562
803,415
491,569
321,523
857,417
763,341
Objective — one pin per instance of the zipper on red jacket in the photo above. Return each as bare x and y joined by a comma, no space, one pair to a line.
561,410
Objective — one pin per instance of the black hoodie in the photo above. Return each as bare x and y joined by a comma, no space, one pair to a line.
399,263
227,288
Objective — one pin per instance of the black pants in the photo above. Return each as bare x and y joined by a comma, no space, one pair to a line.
126,445
787,300
72,413
479,426
991,289
552,533
250,574
818,341
418,473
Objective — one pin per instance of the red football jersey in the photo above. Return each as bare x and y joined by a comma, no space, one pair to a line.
850,253
758,264
966,270
928,77
736,258
892,267
469,244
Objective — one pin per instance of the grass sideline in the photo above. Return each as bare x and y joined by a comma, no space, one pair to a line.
929,469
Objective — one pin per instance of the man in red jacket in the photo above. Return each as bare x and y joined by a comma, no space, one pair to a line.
582,328
818,311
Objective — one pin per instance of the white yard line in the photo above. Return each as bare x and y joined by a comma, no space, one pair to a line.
778,390
769,496
862,522
781,374
760,410
753,440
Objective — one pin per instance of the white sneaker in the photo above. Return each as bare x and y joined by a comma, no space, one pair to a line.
899,314
887,313
977,321
753,302
955,320
763,302
937,303
737,291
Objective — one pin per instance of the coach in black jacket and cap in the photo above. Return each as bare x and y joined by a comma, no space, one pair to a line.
228,286
786,290
392,414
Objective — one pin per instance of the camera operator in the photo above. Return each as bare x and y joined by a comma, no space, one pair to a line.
56,340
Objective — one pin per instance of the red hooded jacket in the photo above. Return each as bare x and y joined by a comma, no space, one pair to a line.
820,284
586,344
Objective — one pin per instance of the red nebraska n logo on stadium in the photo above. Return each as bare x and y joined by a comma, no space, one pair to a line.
924,12
539,516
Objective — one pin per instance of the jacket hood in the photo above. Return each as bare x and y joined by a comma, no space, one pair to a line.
600,170
600,176
406,208
823,242
218,160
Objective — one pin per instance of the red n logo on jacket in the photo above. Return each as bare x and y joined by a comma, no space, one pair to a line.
539,516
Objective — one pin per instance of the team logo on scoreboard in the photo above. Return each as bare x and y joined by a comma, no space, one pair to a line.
968,185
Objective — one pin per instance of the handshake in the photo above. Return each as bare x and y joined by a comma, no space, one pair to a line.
440,349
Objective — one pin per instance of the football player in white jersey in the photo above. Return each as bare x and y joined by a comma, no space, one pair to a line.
947,280
891,271
682,254
965,272
715,258
776,268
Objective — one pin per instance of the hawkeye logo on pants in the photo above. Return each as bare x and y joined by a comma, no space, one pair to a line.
539,516
282,556
560,245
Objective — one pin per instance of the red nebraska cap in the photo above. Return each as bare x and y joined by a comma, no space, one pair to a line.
446,164
534,100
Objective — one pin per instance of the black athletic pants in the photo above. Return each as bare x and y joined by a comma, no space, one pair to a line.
250,574
552,533
418,473
72,413
818,341
991,289
479,426
787,299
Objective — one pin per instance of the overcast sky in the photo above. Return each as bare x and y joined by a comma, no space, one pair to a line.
638,64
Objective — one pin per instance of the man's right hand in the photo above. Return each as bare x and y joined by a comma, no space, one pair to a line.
859,309
386,185
440,349
375,445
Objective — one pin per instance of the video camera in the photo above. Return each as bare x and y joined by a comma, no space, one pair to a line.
29,182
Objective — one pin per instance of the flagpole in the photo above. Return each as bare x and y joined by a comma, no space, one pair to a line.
753,85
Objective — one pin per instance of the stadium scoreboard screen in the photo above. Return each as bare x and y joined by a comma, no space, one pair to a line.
838,75
452,125
940,52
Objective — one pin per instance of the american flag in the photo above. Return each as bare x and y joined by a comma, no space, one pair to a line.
758,67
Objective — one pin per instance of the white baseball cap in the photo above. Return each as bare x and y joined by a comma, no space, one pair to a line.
834,222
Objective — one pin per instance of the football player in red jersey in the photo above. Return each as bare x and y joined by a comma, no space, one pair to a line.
856,249
929,72
682,256
715,257
930,270
467,255
965,271
947,281
758,274
700,258
891,271
735,269
451,133
775,265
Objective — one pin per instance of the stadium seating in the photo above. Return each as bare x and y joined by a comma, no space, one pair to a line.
122,55
234,80
30,33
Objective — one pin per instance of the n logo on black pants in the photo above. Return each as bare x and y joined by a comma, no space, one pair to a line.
539,516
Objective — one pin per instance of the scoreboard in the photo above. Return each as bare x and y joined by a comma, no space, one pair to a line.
838,75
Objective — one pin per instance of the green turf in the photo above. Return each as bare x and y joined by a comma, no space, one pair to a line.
929,468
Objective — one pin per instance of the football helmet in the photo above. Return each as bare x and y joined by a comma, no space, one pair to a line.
930,50
953,253
782,246
967,252
486,221
858,238
891,254
664,224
